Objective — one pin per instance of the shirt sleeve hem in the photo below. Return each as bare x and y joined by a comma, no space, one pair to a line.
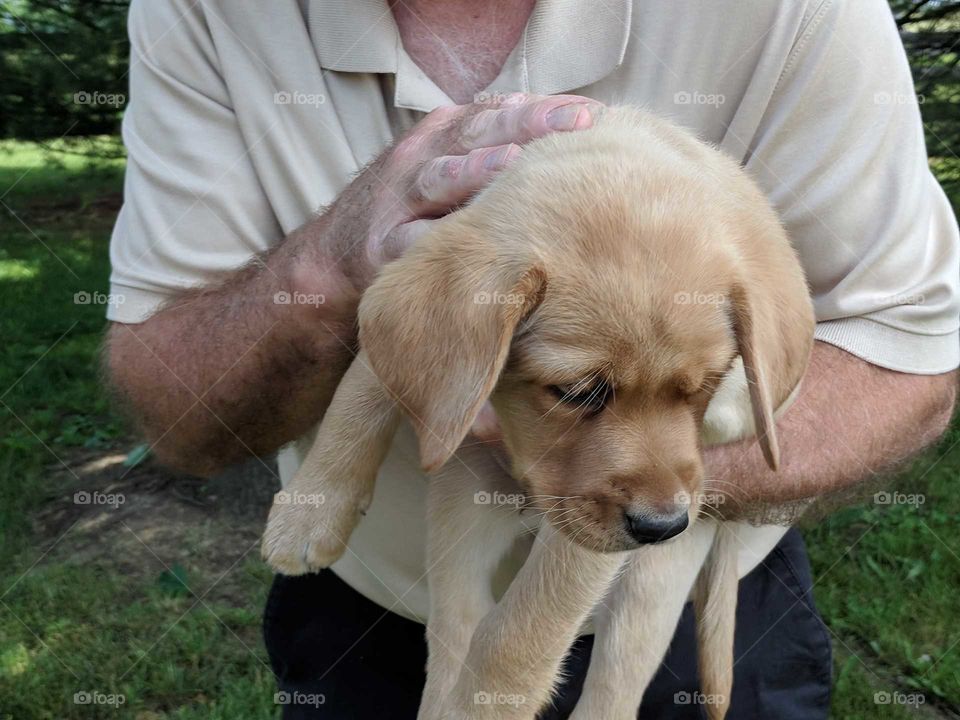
133,305
892,348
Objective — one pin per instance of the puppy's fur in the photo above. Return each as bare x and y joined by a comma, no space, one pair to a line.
621,295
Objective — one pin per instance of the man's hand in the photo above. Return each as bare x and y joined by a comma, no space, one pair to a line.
437,166
226,371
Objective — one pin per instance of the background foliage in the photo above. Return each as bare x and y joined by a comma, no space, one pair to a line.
51,50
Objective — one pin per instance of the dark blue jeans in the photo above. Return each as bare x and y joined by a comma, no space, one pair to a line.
338,655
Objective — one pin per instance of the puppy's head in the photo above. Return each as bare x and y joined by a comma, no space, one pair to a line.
598,316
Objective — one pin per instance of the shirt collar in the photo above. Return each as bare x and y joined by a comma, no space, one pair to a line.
567,44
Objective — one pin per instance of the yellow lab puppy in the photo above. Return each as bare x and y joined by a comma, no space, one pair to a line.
621,295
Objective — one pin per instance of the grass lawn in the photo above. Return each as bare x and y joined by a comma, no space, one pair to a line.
156,596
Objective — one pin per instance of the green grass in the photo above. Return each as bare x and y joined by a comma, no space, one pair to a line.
163,652
888,578
75,616
70,625
51,250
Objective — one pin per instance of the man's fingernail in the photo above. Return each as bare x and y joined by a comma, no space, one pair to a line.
564,117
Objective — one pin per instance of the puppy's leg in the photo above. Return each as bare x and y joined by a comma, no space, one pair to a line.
636,621
715,602
516,652
466,542
312,519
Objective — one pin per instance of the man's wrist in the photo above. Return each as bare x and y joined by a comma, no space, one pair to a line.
314,295
725,465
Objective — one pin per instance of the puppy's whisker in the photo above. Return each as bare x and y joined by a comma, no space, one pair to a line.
588,402
567,520
475,443
568,523
575,389
583,530
559,515
543,511
709,512
554,497
723,487
555,516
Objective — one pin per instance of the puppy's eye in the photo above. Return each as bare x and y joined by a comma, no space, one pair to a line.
591,398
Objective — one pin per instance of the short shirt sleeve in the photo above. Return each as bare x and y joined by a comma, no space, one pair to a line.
193,205
840,151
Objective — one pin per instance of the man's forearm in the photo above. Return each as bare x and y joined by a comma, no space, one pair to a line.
227,371
850,420
241,367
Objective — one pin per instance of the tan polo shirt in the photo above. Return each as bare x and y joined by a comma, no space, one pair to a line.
247,116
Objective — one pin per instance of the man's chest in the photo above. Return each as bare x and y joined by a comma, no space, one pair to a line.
462,49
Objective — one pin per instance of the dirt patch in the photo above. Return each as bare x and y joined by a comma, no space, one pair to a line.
146,520
43,210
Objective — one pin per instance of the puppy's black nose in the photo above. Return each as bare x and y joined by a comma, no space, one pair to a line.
647,528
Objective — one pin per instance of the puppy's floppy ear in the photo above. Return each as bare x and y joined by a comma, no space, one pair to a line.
773,324
437,326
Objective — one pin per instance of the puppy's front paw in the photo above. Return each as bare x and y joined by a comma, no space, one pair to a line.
302,536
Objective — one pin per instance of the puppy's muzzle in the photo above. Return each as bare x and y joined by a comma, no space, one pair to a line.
647,528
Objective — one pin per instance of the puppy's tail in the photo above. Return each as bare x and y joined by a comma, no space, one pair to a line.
715,604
